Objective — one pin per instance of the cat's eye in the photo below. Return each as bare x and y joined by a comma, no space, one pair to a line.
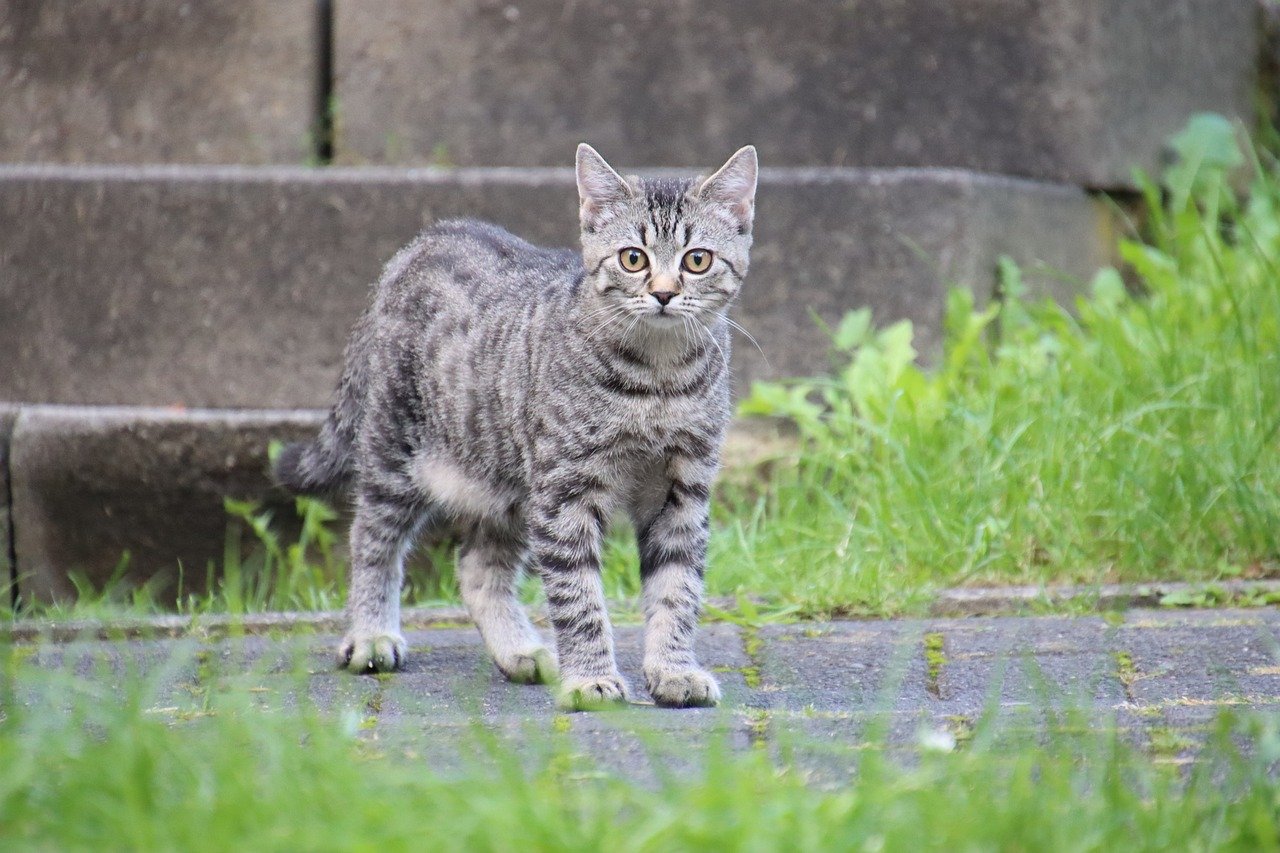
697,260
633,259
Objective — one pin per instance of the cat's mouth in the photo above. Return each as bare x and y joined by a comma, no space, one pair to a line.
664,317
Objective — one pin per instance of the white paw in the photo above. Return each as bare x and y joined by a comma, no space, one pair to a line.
592,694
537,666
372,651
688,688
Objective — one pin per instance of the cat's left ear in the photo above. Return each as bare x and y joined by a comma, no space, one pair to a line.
734,186
598,185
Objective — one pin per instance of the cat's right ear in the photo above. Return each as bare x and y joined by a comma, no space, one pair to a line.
598,186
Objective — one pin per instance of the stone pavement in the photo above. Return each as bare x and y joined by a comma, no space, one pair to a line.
807,691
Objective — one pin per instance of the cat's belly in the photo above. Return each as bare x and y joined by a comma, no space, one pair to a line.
462,494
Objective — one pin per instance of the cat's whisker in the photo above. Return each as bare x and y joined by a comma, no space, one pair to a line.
617,315
711,336
626,334
736,325
602,309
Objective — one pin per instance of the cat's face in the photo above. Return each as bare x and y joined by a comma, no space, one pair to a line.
666,252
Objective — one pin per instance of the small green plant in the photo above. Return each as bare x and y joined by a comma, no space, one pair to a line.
935,659
303,575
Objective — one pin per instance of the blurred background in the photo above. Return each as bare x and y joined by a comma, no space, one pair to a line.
196,196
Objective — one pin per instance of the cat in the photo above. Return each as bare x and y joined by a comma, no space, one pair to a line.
521,396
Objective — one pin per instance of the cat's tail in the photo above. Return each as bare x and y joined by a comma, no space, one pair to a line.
321,467
325,466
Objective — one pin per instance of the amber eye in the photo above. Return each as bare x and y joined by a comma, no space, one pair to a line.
633,259
697,260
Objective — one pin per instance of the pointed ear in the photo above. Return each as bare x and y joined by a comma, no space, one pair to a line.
734,186
598,185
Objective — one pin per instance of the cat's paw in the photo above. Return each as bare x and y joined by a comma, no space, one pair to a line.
377,651
687,688
534,667
592,694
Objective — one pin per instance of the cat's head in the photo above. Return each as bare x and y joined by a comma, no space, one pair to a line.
666,250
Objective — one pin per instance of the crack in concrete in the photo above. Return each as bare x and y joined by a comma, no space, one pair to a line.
935,660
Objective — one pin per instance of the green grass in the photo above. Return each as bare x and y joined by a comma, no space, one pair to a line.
108,771
1133,437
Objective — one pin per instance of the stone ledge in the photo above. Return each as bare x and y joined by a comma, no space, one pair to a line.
236,287
951,603
90,484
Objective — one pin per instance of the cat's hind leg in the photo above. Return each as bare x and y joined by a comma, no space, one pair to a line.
388,514
491,560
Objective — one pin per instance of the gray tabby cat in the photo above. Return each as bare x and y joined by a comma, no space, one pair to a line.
522,396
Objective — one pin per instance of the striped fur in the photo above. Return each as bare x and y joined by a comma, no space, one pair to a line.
523,396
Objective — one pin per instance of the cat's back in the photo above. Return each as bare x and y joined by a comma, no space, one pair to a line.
466,262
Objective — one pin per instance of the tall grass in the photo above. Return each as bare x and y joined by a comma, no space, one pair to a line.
1134,437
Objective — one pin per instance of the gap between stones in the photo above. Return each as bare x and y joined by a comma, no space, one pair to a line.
323,107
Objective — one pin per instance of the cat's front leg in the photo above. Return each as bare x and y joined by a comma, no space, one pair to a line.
566,525
673,553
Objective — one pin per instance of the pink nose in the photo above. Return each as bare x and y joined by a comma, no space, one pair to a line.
663,296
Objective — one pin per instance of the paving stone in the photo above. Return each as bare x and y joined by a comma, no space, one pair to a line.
89,485
650,744
141,81
226,287
1066,90
859,666
1003,663
1204,658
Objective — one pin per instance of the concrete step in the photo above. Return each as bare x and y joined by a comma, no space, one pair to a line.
151,81
88,485
1078,91
233,287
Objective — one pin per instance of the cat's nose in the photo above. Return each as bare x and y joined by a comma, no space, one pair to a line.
663,296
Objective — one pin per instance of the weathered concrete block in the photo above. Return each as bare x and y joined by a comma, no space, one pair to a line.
1073,90
147,81
237,287
90,484
8,415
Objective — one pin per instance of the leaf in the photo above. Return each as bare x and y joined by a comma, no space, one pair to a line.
852,331
895,344
1010,278
1208,139
1204,151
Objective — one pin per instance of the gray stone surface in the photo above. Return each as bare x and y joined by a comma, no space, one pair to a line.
230,287
89,485
815,695
1075,90
149,81
8,415
1199,657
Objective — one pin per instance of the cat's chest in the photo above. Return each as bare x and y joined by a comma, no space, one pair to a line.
655,424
